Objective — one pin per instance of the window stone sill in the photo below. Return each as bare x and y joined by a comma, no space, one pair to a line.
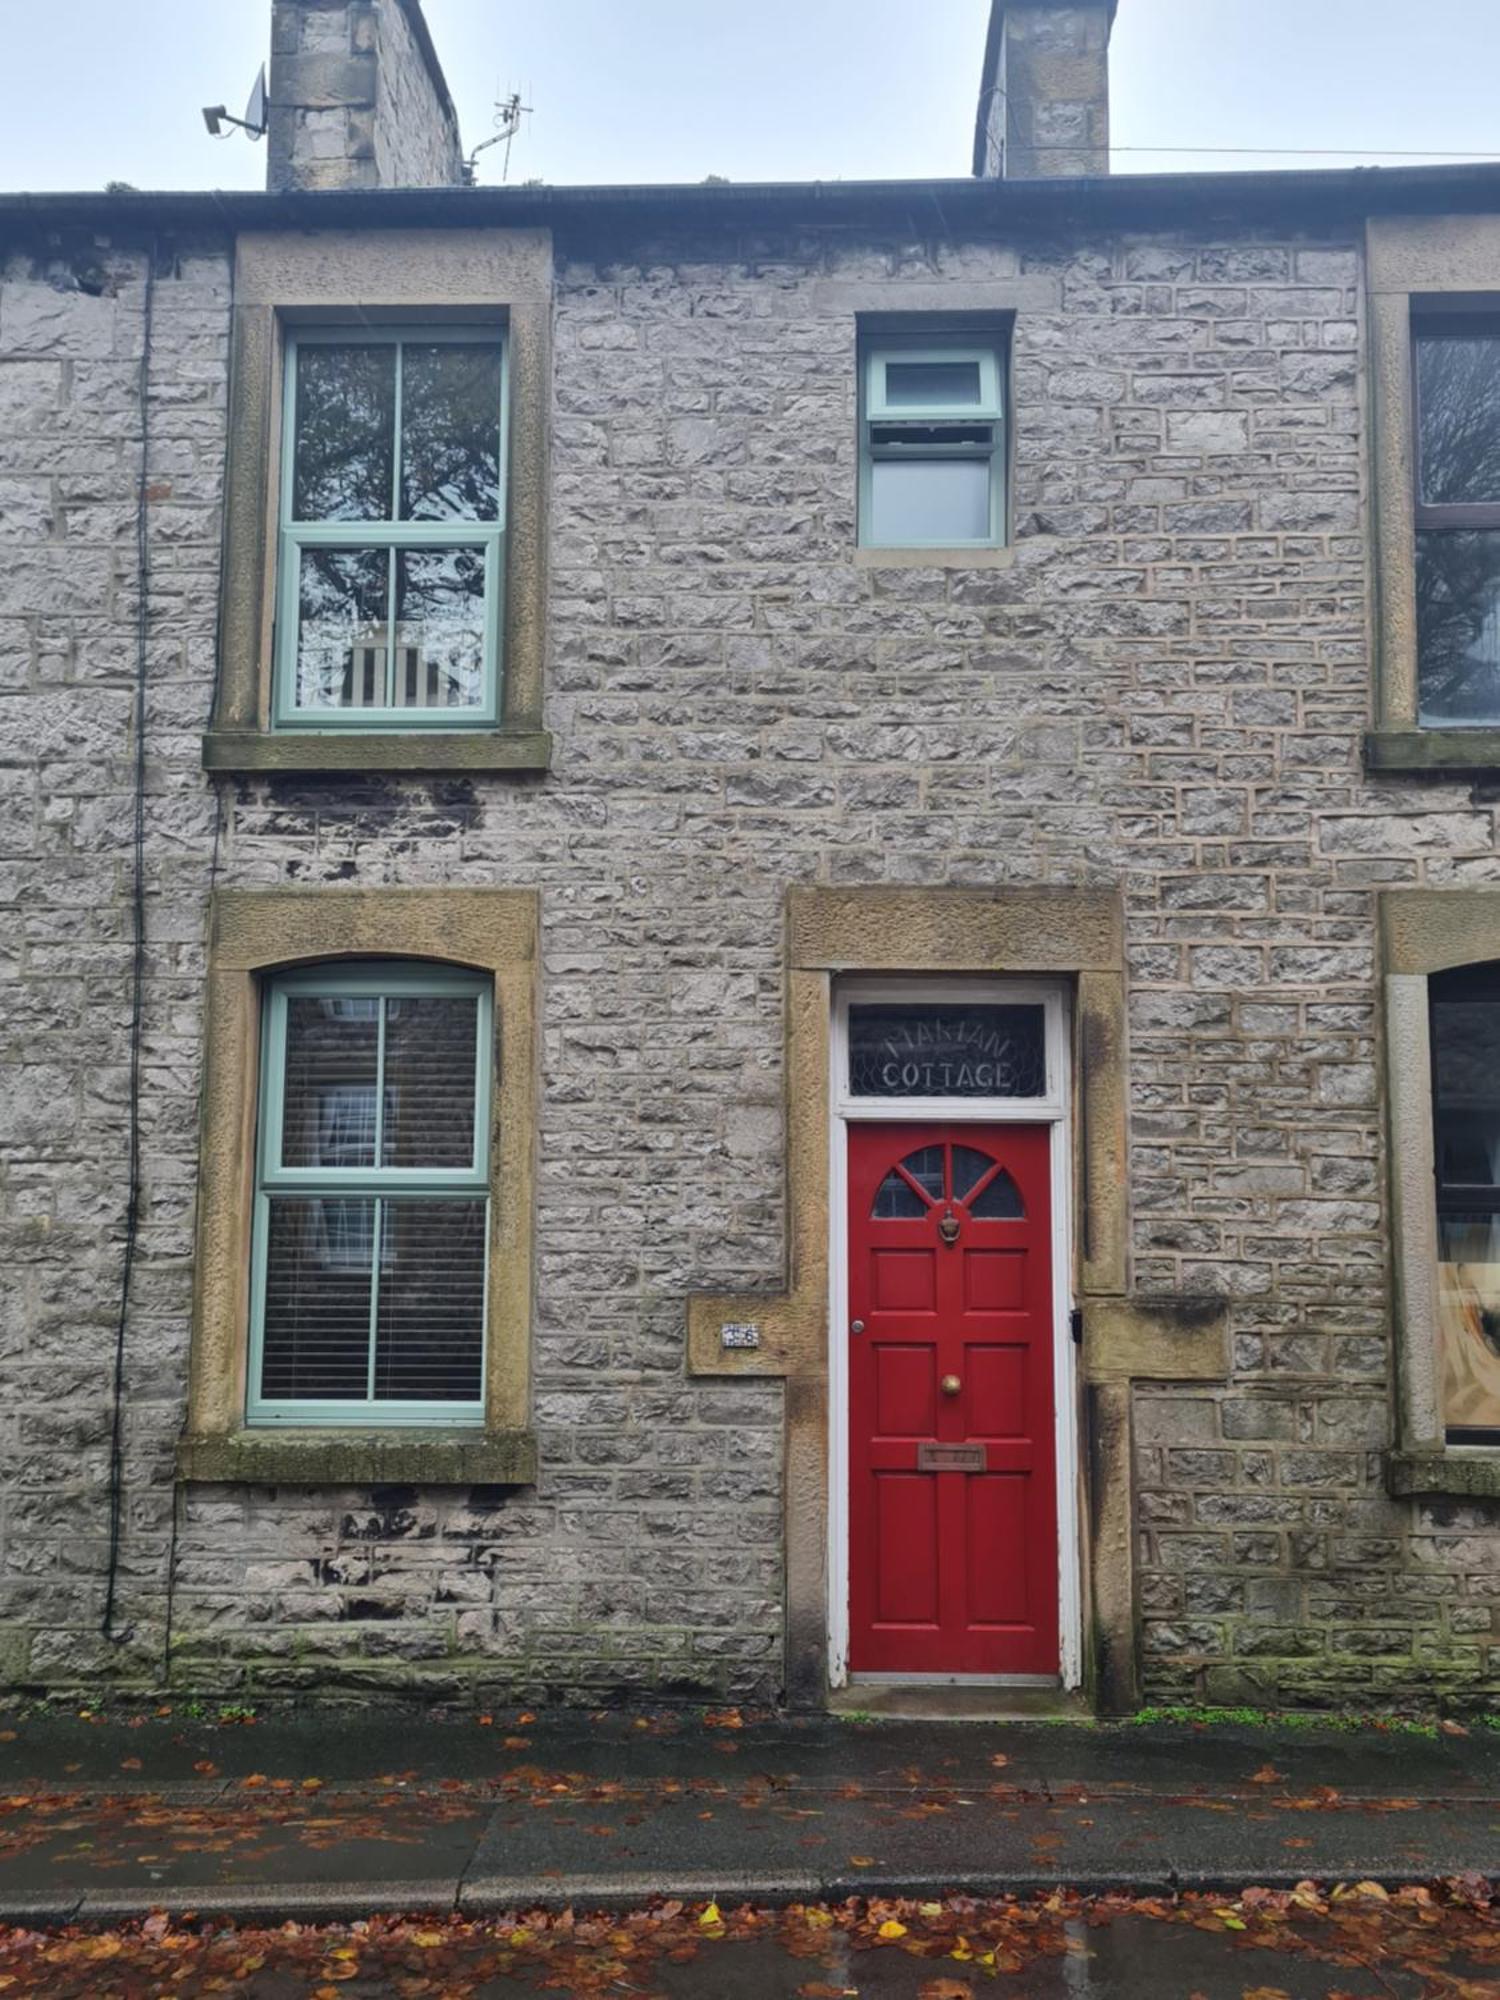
359,1458
1461,1474
323,751
977,558
1434,750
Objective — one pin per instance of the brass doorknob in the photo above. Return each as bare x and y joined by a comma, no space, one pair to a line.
950,1385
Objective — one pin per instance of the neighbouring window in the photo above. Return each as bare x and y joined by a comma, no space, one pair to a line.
1465,1009
932,444
372,1198
392,530
1457,364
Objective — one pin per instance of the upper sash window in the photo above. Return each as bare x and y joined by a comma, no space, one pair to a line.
392,529
1457,363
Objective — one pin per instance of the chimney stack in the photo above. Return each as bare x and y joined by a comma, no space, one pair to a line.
1044,95
357,98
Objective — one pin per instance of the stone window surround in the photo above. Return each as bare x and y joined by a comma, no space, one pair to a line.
1424,931
1413,262
417,276
257,931
1073,932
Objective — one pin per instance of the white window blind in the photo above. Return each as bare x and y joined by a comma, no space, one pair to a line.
372,1216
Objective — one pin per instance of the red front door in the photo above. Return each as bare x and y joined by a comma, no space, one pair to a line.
953,1570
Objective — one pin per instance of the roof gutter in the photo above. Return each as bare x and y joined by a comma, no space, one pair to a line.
1145,199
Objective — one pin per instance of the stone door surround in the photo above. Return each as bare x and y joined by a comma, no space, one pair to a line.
1064,930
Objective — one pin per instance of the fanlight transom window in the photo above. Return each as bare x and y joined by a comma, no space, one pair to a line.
933,1175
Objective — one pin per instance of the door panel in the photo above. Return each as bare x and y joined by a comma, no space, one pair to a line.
995,1280
997,1519
905,1280
906,1531
996,1391
950,1247
905,1391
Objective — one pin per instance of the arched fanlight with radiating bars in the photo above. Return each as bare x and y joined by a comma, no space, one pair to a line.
962,1174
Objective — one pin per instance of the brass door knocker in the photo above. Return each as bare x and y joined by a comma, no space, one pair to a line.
948,1228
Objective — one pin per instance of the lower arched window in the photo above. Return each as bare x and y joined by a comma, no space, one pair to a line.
1465,1018
371,1196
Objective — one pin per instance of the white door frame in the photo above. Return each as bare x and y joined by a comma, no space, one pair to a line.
845,1110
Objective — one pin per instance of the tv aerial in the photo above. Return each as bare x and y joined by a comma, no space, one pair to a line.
253,124
509,111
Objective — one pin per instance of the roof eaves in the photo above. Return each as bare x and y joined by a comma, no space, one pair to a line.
1118,199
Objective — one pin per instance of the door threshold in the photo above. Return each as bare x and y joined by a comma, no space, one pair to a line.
955,1680
951,1700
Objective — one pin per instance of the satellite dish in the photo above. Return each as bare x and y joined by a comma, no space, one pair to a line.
253,124
255,110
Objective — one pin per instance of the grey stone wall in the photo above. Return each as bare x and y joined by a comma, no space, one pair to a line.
1045,96
1167,689
416,128
71,339
357,98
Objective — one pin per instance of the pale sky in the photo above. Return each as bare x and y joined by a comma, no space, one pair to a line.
672,90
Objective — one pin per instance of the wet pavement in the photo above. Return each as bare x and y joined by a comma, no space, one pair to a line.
324,1817
174,1746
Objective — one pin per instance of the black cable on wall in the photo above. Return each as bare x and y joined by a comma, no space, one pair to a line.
138,968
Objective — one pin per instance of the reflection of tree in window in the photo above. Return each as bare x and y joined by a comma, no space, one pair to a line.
450,434
1458,523
1458,617
345,426
342,597
1458,386
440,626
396,445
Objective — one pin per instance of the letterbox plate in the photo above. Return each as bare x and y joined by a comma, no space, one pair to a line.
952,1458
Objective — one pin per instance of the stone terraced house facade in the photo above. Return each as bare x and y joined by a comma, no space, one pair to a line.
815,871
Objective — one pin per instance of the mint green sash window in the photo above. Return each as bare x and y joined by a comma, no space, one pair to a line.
392,538
932,444
372,1198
